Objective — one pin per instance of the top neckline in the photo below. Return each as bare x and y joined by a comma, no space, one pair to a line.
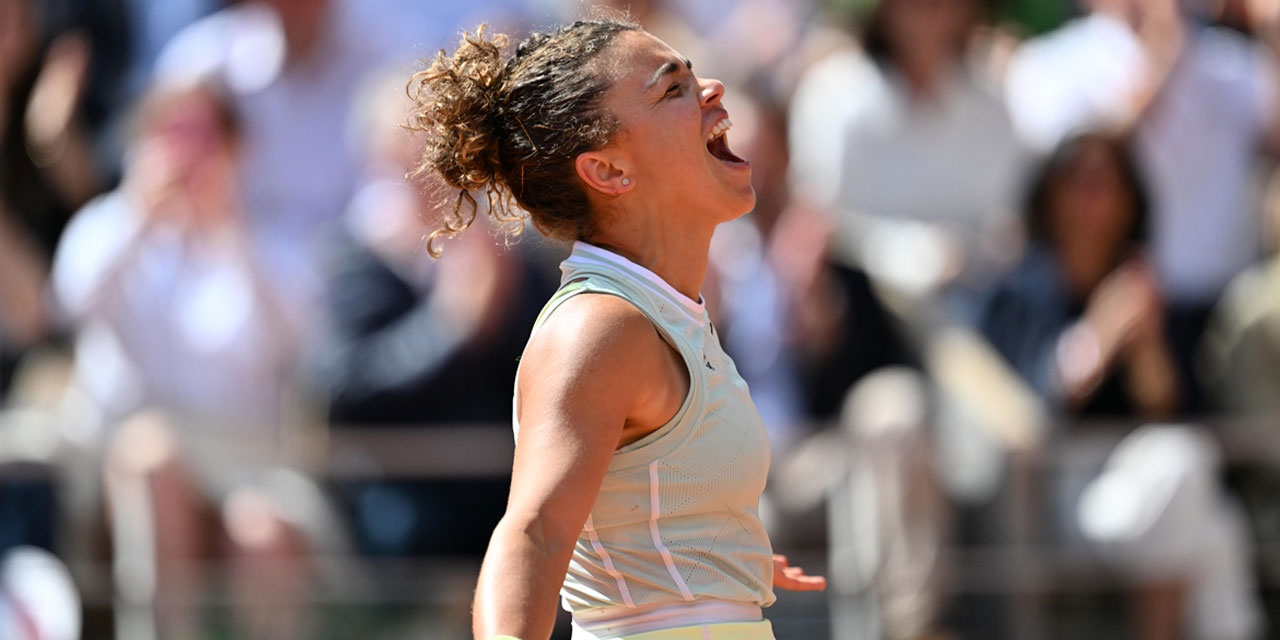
593,253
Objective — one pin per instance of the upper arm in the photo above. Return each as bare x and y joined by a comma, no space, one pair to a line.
583,373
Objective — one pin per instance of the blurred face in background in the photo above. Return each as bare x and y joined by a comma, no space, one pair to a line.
1092,209
187,148
190,128
922,31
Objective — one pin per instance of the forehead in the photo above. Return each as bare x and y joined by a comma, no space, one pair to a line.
637,56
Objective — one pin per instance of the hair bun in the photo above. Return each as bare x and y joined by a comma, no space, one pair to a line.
513,130
458,107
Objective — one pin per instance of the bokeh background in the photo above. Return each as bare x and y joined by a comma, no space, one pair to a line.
1009,302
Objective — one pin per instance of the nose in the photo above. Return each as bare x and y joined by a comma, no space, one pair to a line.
710,91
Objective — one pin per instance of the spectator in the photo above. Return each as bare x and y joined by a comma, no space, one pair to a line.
55,77
1198,141
416,342
805,330
1081,316
404,330
46,164
1082,321
1240,355
1201,99
177,332
162,283
923,179
1091,73
292,68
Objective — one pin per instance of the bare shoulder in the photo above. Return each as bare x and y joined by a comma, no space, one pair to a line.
599,363
595,334
585,371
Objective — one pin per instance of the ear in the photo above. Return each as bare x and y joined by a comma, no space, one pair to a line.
605,173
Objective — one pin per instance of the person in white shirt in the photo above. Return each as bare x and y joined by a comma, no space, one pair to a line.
160,275
293,70
183,355
910,147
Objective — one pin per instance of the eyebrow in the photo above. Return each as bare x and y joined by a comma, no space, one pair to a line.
668,67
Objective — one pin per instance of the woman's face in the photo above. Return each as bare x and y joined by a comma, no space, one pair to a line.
1090,203
672,142
928,28
185,148
187,125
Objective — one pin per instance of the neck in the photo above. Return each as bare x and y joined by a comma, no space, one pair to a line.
678,256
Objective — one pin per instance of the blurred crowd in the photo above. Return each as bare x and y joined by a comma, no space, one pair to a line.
990,235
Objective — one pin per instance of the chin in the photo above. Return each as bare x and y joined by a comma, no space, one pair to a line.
748,202
738,204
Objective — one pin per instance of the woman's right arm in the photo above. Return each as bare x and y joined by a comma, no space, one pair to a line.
586,371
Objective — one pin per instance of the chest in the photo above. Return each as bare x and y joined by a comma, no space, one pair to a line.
721,461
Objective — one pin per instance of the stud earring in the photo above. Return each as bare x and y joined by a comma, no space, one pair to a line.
626,181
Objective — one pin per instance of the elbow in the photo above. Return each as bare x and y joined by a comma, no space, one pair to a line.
539,531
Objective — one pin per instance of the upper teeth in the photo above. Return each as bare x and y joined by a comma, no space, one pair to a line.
719,129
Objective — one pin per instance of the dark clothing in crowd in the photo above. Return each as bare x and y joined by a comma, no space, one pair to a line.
28,504
868,340
1025,316
387,363
26,194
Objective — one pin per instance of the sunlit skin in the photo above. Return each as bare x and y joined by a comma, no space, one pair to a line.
675,191
597,375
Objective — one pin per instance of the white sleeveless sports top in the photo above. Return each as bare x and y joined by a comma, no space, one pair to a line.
676,519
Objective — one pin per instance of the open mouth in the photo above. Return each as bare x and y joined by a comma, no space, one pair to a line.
718,143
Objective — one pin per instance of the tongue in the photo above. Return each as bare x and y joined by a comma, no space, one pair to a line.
719,148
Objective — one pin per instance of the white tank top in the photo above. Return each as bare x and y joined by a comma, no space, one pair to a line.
676,519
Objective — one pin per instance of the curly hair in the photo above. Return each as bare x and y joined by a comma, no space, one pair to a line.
513,129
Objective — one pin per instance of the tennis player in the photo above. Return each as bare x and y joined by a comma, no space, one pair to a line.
640,458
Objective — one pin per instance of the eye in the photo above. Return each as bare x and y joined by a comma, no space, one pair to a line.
674,90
